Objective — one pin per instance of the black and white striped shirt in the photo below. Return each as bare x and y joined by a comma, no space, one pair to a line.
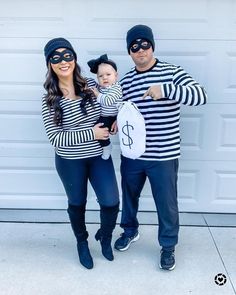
75,138
108,98
162,116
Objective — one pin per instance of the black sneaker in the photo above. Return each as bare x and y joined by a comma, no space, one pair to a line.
167,260
124,241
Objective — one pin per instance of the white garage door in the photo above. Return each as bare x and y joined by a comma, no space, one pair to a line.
197,34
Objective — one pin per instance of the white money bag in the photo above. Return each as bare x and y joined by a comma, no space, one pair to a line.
132,131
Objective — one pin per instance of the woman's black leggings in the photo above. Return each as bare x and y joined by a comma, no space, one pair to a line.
76,173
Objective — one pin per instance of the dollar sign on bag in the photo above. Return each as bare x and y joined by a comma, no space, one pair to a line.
126,131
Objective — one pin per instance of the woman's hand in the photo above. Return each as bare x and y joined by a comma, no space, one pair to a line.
101,133
114,128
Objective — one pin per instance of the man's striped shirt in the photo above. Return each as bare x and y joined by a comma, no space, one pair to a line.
162,116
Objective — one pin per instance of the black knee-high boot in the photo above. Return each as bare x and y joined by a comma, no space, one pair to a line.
77,219
108,217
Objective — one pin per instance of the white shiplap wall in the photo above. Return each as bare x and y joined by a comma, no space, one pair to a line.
199,35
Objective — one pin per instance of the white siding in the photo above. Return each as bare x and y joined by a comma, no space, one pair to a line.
197,34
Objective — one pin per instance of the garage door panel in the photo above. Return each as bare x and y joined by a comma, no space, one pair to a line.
27,162
26,182
122,14
207,132
21,92
225,75
214,186
225,188
21,106
227,128
23,128
31,201
31,18
188,185
13,92
46,18
231,74
27,155
21,68
35,8
194,134
184,16
191,179
191,127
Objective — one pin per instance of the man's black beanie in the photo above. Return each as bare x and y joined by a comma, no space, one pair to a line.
56,43
139,32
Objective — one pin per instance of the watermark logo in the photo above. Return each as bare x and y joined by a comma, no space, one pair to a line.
220,279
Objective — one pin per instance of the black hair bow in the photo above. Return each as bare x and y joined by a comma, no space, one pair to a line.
94,63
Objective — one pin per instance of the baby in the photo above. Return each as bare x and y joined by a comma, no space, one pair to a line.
108,93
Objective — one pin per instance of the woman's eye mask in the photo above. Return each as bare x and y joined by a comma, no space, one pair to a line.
66,55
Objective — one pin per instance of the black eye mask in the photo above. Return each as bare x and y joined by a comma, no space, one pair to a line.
140,44
66,55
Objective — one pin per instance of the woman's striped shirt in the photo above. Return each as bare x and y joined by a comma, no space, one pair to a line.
162,116
74,139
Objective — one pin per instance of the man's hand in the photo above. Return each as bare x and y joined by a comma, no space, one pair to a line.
154,92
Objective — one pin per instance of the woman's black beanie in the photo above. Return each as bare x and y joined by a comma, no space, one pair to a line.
139,32
56,43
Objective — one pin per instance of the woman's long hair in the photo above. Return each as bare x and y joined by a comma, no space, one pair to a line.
54,93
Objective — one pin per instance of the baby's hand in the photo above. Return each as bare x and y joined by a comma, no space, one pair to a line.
95,91
114,128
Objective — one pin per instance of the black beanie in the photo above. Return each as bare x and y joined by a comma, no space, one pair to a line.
56,43
139,32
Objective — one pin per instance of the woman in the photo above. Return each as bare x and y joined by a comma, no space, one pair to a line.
69,112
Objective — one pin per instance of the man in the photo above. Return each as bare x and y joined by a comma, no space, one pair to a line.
157,88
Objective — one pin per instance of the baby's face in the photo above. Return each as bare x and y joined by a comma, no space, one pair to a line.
106,75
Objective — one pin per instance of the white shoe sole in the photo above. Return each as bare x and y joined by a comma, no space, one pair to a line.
127,247
171,268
